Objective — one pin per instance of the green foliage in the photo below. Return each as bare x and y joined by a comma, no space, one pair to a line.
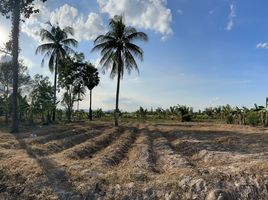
185,112
42,98
253,118
142,113
26,7
57,46
72,82
118,51
230,119
98,113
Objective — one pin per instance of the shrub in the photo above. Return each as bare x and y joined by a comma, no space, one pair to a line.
230,119
253,118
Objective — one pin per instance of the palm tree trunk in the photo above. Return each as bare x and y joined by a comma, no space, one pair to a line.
116,114
55,92
15,69
90,106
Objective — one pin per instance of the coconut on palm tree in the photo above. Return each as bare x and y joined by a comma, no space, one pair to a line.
118,52
57,46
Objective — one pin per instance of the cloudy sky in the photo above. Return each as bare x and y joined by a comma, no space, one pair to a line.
200,53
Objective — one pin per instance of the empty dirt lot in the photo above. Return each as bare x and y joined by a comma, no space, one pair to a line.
136,161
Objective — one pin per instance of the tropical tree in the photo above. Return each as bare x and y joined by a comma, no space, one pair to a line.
42,98
71,81
91,79
6,80
118,52
57,46
15,8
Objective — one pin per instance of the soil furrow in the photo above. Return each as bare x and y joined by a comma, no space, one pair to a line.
88,148
142,155
118,150
167,158
65,143
56,136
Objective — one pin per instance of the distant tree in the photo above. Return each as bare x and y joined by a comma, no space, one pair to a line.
42,98
71,81
91,79
118,52
6,79
142,113
15,8
186,113
57,47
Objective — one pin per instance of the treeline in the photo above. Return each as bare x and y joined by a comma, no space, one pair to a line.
36,94
72,74
257,115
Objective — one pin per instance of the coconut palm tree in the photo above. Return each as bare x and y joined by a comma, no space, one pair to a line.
57,46
118,50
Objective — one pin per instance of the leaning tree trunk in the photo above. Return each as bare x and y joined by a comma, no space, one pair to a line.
116,114
15,67
90,106
55,92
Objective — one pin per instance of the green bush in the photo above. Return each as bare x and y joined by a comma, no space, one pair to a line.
253,118
230,119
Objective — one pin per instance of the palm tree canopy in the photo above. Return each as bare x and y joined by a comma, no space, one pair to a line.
58,44
90,76
117,48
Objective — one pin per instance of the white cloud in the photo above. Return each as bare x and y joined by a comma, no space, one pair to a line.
262,45
231,17
147,14
86,28
4,34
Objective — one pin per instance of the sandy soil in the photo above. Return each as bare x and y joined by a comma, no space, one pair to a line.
136,161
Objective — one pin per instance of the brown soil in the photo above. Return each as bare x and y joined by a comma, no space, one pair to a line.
136,161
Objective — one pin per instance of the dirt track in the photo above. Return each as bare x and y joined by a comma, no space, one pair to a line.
136,161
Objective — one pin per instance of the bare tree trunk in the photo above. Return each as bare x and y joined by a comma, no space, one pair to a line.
55,92
90,106
7,106
116,114
15,68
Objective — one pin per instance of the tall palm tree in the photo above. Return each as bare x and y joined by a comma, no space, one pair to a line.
118,51
57,47
91,79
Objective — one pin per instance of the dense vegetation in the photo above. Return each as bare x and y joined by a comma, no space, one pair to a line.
72,74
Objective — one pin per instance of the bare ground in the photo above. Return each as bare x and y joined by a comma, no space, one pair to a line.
136,161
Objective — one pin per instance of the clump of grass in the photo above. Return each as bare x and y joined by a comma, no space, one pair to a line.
140,177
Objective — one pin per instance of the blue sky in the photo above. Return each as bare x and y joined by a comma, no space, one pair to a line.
200,53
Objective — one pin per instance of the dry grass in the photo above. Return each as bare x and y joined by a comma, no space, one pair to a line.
137,161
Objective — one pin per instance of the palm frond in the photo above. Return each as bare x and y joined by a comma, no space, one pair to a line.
47,55
130,62
70,42
68,30
134,49
137,36
44,48
51,62
47,35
